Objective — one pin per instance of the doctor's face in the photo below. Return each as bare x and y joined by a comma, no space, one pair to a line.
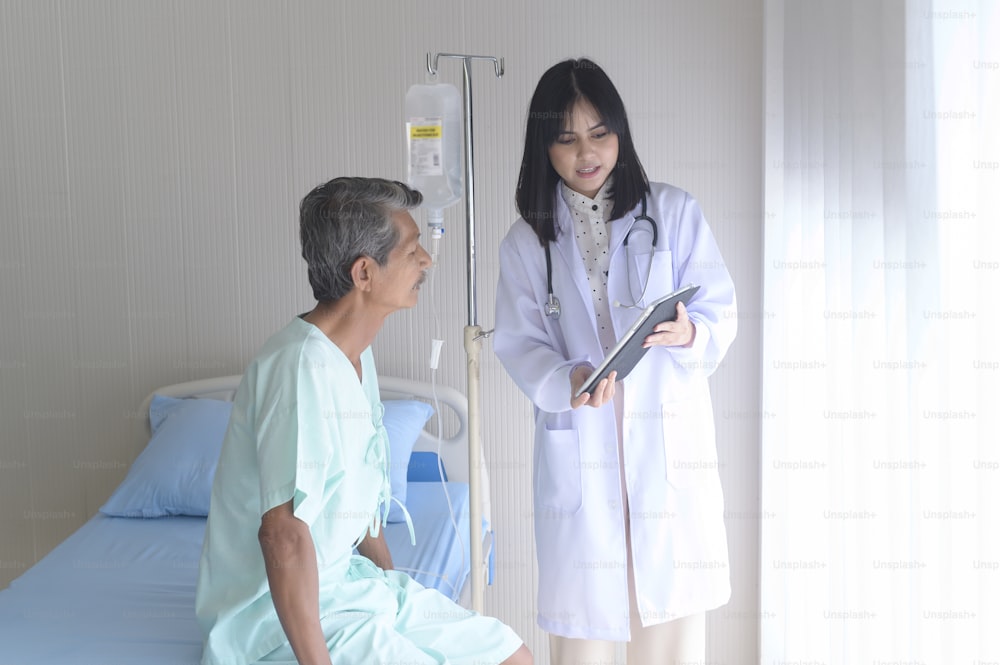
585,152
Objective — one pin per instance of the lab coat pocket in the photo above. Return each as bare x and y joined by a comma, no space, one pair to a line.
659,267
689,444
557,470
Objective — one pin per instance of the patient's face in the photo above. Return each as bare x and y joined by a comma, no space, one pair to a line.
397,284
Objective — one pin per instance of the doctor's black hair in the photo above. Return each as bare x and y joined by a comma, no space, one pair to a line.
558,90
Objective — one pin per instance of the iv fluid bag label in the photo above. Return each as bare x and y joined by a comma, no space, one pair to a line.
425,147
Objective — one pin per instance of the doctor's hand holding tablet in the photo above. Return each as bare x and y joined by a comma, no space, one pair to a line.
649,330
599,396
677,332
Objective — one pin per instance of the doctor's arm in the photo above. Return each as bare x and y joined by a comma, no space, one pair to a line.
711,314
522,340
292,574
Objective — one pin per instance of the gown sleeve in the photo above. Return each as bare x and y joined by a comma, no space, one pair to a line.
298,457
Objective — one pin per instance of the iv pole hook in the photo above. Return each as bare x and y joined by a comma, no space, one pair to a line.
432,61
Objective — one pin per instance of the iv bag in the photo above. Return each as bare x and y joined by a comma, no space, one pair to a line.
434,142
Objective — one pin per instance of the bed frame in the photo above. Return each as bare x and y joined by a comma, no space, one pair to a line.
448,402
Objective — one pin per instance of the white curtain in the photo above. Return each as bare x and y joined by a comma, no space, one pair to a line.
881,436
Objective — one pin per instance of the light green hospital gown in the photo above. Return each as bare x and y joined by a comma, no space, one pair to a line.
304,428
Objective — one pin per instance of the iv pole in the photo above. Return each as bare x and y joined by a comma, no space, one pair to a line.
473,332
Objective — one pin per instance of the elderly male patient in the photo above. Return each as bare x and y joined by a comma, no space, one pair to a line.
303,475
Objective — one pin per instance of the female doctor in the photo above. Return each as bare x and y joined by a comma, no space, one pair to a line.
628,504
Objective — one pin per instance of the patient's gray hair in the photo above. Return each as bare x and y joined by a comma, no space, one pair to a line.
345,219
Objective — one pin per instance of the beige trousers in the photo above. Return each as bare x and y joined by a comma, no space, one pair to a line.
677,642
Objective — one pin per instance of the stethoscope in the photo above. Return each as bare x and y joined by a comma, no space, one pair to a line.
554,309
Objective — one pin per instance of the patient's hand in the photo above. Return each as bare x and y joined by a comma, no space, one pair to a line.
375,549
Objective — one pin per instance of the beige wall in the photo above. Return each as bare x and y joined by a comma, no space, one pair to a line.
152,155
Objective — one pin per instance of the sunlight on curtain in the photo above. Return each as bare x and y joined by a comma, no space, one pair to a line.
881,395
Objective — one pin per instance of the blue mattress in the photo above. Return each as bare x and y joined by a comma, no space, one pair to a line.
446,566
120,591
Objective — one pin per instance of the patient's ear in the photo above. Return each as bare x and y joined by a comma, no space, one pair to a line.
362,271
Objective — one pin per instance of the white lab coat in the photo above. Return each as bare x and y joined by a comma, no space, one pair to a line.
679,552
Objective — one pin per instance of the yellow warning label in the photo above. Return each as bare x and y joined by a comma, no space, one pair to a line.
425,131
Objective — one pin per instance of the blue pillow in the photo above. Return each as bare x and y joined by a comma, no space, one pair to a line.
403,420
173,475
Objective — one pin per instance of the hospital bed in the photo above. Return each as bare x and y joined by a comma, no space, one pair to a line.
120,590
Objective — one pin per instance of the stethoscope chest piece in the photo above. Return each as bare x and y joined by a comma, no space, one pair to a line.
552,307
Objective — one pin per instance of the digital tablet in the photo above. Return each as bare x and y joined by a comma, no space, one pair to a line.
629,350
